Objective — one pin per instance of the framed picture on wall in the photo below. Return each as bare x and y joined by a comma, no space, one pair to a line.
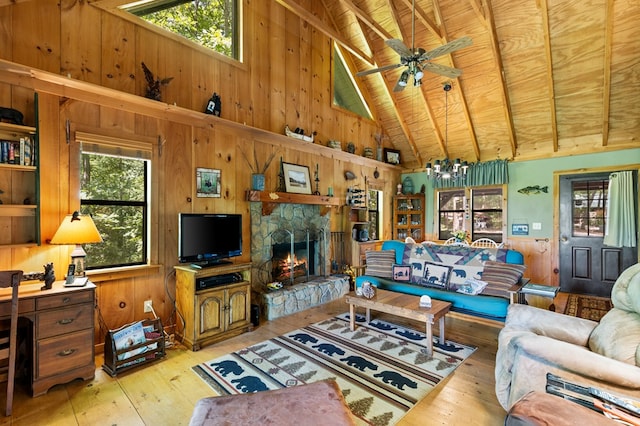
296,178
207,182
391,156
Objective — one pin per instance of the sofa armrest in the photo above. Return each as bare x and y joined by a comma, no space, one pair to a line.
579,360
551,324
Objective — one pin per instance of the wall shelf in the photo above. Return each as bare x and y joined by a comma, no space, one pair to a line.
270,200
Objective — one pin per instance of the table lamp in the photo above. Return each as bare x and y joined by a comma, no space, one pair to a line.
77,229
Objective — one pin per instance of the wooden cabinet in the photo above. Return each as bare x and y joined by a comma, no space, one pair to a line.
19,186
58,333
215,313
408,217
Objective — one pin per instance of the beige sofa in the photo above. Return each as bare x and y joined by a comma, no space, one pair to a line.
606,354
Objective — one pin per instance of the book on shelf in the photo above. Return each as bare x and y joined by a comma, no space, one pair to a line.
540,289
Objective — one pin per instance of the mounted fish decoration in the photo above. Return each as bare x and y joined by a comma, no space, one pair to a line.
537,189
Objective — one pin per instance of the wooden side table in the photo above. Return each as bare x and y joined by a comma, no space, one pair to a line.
540,295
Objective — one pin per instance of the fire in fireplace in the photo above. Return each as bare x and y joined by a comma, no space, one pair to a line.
287,266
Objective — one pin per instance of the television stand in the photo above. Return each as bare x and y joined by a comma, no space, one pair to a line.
216,313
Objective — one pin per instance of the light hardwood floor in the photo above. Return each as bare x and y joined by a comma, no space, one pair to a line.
164,392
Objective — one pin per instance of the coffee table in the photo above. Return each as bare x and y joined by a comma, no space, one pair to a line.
402,305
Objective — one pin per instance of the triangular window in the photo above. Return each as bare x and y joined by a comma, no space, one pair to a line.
346,93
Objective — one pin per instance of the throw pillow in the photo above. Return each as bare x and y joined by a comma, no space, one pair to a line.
432,275
501,277
380,263
617,336
401,273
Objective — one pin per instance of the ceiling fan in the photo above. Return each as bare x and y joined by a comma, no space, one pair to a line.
419,60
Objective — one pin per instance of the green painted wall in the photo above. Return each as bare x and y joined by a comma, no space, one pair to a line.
532,208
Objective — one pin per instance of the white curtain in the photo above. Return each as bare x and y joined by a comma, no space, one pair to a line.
620,228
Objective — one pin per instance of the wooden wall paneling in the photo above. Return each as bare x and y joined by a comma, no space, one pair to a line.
537,257
80,34
304,70
36,34
6,29
258,43
176,62
117,119
205,81
119,68
292,74
116,303
277,69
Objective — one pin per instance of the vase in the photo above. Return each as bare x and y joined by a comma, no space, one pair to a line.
257,182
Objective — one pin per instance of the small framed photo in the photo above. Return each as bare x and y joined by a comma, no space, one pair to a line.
296,178
207,182
391,156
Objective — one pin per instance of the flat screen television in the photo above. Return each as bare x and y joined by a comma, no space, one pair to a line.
206,239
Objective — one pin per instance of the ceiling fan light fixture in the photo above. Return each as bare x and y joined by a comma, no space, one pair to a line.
403,78
418,75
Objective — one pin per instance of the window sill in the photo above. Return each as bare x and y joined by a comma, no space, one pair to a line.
111,274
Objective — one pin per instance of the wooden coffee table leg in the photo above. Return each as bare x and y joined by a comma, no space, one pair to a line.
368,315
352,316
429,339
441,337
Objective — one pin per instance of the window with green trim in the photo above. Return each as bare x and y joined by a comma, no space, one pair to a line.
346,93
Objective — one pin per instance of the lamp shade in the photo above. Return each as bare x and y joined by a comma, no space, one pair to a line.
77,229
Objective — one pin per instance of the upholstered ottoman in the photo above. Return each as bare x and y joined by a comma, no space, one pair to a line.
316,403
542,409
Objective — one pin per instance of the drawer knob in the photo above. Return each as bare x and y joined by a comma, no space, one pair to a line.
65,321
66,300
66,352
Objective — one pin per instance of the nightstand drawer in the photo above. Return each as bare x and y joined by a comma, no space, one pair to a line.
60,321
64,299
63,353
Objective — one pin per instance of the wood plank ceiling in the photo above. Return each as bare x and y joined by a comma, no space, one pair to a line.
543,78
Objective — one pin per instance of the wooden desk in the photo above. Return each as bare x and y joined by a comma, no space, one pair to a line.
59,332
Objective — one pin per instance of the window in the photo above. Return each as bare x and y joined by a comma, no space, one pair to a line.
210,23
346,93
483,217
589,202
114,188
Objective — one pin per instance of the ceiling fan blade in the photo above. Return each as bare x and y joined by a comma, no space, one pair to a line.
385,68
447,48
399,47
442,70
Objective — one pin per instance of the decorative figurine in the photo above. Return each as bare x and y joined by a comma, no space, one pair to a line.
214,106
154,84
49,276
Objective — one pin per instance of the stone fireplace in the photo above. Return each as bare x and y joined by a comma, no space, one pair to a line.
300,226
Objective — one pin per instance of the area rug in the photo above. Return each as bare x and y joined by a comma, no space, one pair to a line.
382,368
587,307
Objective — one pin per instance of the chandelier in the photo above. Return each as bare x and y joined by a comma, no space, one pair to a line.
447,169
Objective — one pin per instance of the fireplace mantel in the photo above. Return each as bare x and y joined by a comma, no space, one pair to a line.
271,199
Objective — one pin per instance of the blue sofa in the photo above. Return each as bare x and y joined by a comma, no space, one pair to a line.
491,303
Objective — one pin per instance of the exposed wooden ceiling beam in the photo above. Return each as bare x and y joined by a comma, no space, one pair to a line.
463,99
305,15
479,9
366,19
422,17
606,80
549,59
504,95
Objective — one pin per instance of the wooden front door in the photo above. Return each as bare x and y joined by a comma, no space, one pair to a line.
587,266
